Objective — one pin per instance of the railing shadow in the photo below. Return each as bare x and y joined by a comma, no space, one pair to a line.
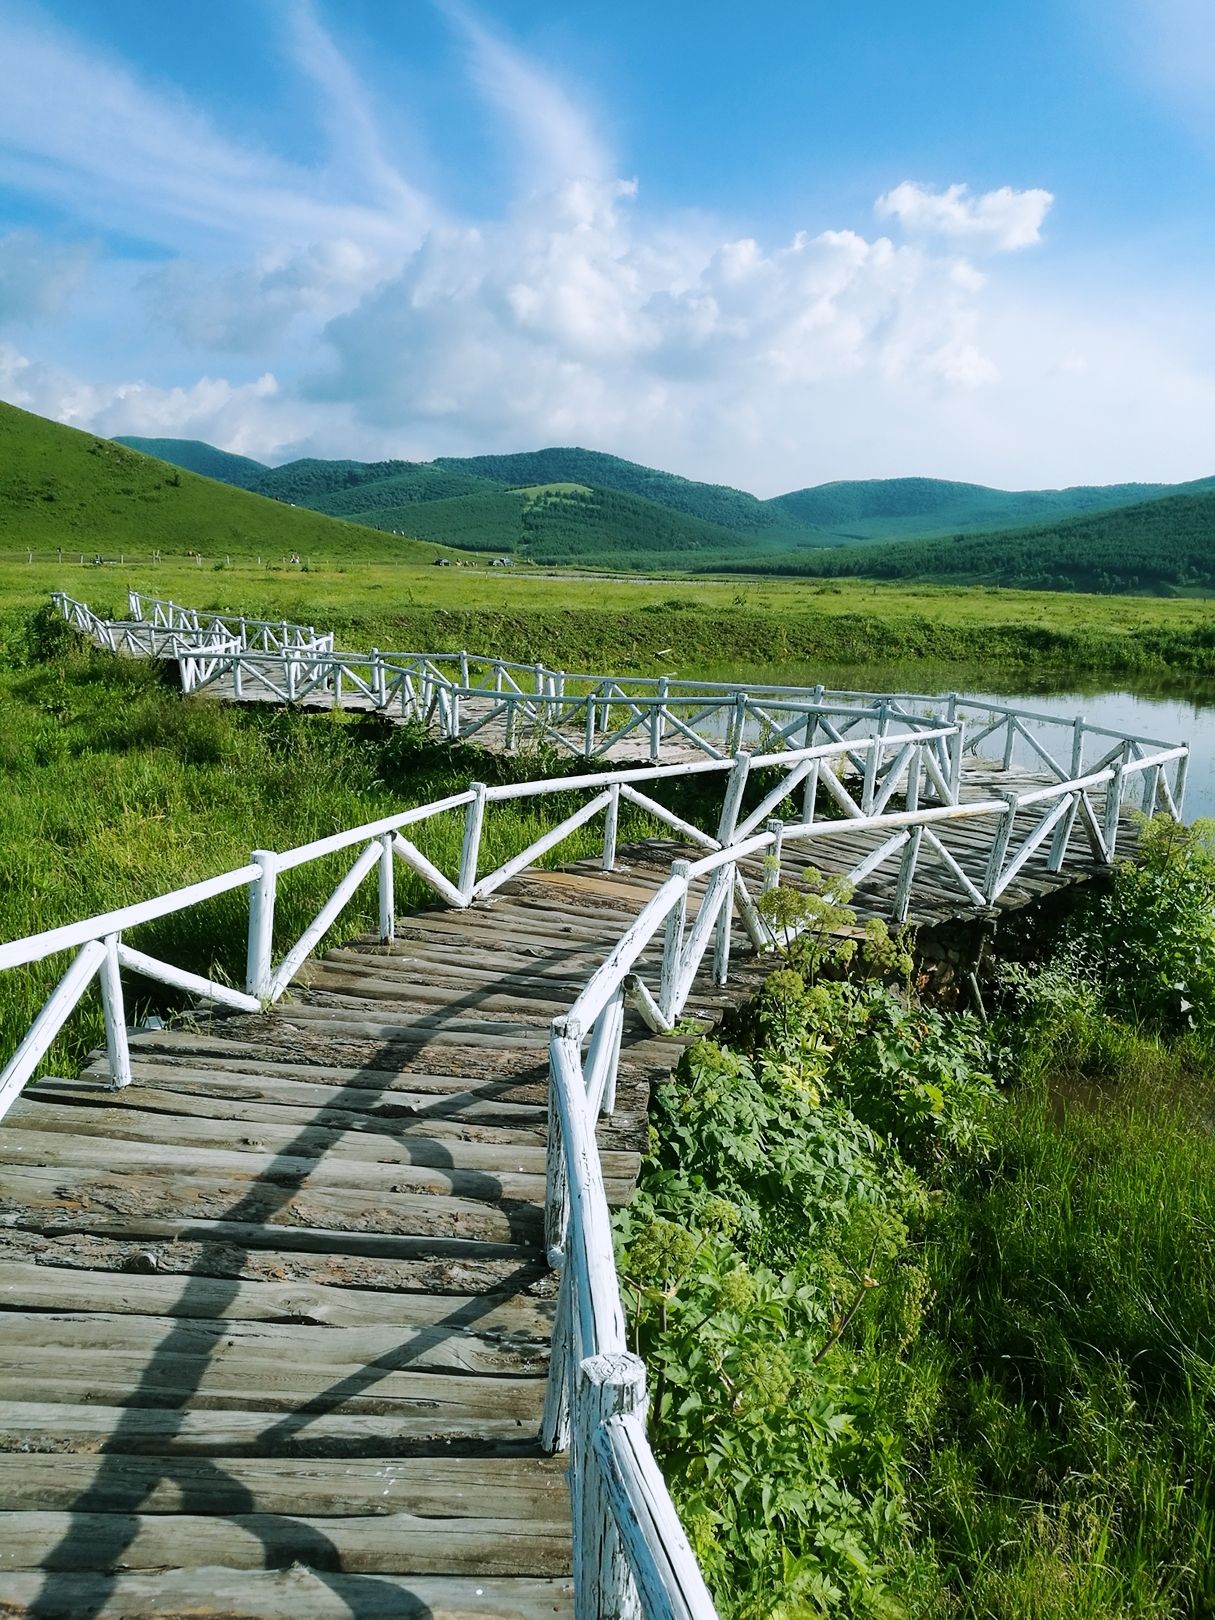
103,1526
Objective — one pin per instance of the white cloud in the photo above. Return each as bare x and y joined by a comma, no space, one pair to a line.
252,309
554,138
566,320
999,221
81,129
38,276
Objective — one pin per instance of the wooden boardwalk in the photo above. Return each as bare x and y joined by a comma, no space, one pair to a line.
277,1314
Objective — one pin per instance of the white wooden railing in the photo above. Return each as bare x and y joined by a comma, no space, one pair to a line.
900,788
464,695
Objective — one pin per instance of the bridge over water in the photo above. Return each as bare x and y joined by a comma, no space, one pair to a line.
310,1300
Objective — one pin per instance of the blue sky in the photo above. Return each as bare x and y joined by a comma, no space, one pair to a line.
770,245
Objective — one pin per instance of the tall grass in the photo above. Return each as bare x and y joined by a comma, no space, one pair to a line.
1070,1354
119,789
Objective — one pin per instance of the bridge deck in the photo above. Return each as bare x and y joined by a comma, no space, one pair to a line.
278,1314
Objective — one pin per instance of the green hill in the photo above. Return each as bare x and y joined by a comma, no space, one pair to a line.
197,457
61,488
581,507
893,508
1159,547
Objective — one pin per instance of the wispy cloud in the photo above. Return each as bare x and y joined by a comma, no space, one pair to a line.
80,128
555,139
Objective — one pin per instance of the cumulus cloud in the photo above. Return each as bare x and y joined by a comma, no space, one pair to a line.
250,310
999,221
567,317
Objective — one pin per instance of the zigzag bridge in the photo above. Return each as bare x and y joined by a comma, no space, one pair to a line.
311,1300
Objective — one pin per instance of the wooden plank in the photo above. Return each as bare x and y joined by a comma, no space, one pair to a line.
452,1345
409,1166
528,1488
297,1593
101,1425
206,1101
27,1287
242,1379
301,1255
398,1543
29,1191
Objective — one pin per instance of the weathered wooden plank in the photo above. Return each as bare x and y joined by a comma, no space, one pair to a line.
297,1593
398,1543
452,1345
298,1255
73,1191
528,1488
238,1378
199,1102
57,1427
396,1169
26,1287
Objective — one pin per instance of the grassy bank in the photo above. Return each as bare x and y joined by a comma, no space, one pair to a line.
118,788
933,1347
667,626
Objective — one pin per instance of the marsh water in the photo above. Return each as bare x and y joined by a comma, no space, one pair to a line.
1170,710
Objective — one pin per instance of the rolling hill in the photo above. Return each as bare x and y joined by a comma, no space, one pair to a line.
195,456
417,498
65,489
1164,546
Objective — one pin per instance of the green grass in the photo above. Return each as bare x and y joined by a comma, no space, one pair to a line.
1072,1472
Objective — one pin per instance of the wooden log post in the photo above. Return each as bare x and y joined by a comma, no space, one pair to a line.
776,830
999,847
911,850
262,892
957,747
1179,782
555,1422
725,920
731,805
470,847
611,823
672,944
1113,803
1078,747
604,1588
388,922
118,1052
1010,737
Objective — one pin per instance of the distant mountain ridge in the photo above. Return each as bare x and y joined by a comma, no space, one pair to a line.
568,504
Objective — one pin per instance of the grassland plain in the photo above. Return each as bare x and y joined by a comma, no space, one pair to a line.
666,626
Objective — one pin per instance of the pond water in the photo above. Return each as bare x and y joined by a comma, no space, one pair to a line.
1173,711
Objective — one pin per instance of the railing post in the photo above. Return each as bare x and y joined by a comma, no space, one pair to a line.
911,850
118,1053
1078,747
957,747
999,848
262,892
135,606
1010,736
470,848
722,927
672,944
1113,803
464,669
776,828
611,822
604,1589
731,804
738,724
388,916
1179,782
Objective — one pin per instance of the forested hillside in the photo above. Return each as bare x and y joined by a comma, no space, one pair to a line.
584,508
1165,545
196,457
